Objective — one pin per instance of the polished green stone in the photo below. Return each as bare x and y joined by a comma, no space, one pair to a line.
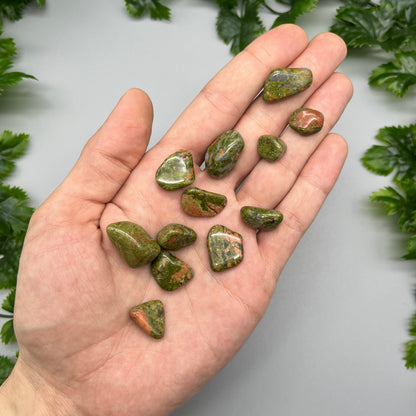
133,242
284,82
176,171
306,121
150,316
260,218
176,236
271,147
170,272
199,203
222,155
225,248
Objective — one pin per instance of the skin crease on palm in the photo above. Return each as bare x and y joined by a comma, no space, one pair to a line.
80,353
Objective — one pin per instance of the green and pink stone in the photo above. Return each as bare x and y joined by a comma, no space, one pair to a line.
285,82
170,272
260,218
176,171
306,121
270,147
200,203
225,248
133,242
223,153
150,317
176,236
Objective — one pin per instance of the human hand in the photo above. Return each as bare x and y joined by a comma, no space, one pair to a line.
80,353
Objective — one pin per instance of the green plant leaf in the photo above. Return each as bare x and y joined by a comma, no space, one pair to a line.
411,255
297,8
379,159
398,152
227,4
360,26
6,367
156,9
10,250
14,213
240,28
12,146
13,9
7,47
391,199
8,303
7,332
397,76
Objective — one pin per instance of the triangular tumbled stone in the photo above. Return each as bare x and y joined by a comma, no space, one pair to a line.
199,203
284,82
176,171
225,248
150,317
133,242
170,272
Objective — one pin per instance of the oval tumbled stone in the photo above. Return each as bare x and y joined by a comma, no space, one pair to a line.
225,248
306,121
176,171
170,272
261,219
176,236
284,82
271,147
223,153
150,316
133,242
199,203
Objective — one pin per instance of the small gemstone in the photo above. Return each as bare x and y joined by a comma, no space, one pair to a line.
222,155
170,272
150,317
176,171
262,219
271,147
133,242
225,248
176,236
284,82
199,203
306,121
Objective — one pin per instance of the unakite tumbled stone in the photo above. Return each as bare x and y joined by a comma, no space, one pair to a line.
199,203
271,147
284,82
222,155
133,242
306,121
176,171
170,272
225,248
260,218
150,317
176,236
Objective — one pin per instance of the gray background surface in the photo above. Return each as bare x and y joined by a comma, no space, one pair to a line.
331,341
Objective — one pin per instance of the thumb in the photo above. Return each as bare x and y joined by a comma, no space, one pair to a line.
107,159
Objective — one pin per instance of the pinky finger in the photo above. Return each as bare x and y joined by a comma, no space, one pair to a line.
303,202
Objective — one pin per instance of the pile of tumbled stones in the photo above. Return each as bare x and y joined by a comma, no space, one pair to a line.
225,247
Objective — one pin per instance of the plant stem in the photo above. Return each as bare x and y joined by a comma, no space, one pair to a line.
6,316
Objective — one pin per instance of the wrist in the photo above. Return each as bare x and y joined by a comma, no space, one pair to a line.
25,393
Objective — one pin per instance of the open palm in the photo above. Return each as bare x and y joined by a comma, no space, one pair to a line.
74,290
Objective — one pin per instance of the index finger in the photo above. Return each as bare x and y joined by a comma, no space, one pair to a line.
226,97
